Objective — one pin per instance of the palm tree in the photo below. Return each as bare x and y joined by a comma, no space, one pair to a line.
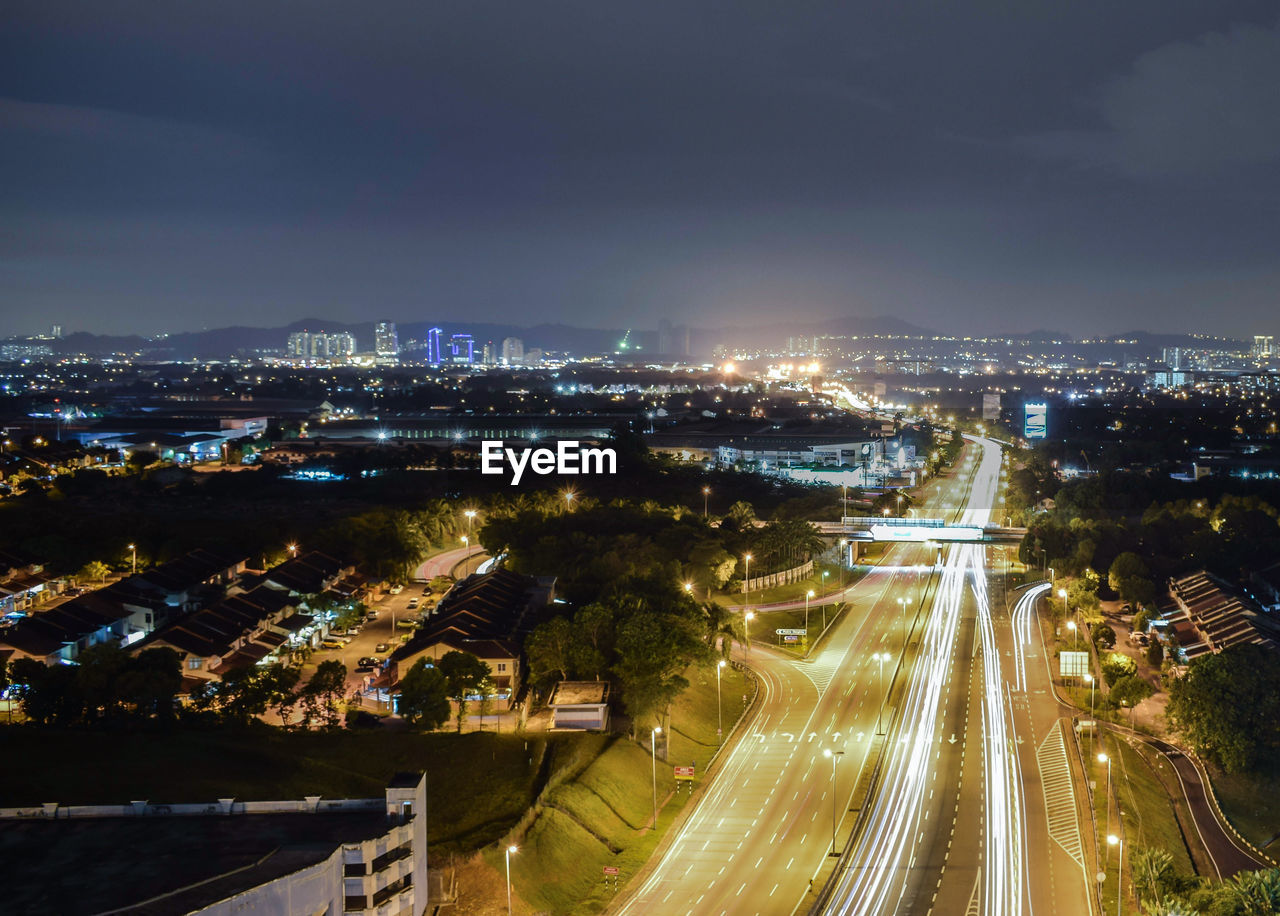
1257,892
722,627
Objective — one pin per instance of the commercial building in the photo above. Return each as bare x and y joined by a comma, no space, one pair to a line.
434,355
462,350
512,351
312,855
386,345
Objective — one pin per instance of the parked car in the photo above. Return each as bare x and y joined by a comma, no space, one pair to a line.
370,661
413,603
331,643
396,589
372,615
380,648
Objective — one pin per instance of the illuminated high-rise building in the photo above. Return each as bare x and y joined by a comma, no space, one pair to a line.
386,345
434,356
1262,346
462,350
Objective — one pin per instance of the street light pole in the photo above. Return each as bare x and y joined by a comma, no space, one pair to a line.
746,627
719,706
1113,840
881,657
706,496
834,755
133,548
746,577
807,596
653,759
509,851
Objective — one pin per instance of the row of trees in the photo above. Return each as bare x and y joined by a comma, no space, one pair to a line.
1163,891
108,687
426,689
1227,707
643,633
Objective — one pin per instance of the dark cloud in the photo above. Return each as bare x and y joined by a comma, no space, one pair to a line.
970,167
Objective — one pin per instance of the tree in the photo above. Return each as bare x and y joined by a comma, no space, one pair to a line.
1257,893
1155,654
1228,706
652,653
593,635
722,628
322,692
1129,690
1116,665
150,682
283,695
424,696
464,674
1104,637
550,650
95,569
1131,580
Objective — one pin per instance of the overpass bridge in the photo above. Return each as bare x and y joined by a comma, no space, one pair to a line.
918,530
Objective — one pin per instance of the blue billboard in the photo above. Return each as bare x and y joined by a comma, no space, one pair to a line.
1035,420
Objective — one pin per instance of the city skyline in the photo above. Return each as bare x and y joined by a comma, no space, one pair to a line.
970,171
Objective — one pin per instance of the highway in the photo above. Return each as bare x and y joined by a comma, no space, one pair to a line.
762,829
976,772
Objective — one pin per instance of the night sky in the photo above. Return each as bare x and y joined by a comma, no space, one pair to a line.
968,166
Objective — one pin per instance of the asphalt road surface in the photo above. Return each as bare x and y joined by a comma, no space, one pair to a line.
762,831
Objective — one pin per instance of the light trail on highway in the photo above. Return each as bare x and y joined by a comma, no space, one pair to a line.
876,870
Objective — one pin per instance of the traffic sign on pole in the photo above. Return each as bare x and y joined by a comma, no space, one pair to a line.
790,631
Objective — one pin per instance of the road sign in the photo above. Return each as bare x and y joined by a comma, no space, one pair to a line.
611,869
791,639
789,631
684,772
1073,664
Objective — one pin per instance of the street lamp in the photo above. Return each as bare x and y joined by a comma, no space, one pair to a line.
1103,758
1088,679
133,549
807,596
568,500
902,606
688,588
466,543
881,657
293,550
899,505
719,709
653,759
510,850
706,496
1071,625
746,576
746,626
834,755
1113,840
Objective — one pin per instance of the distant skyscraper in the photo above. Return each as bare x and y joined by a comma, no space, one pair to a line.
1173,357
56,332
513,351
434,356
1262,348
321,345
489,354
385,343
462,350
